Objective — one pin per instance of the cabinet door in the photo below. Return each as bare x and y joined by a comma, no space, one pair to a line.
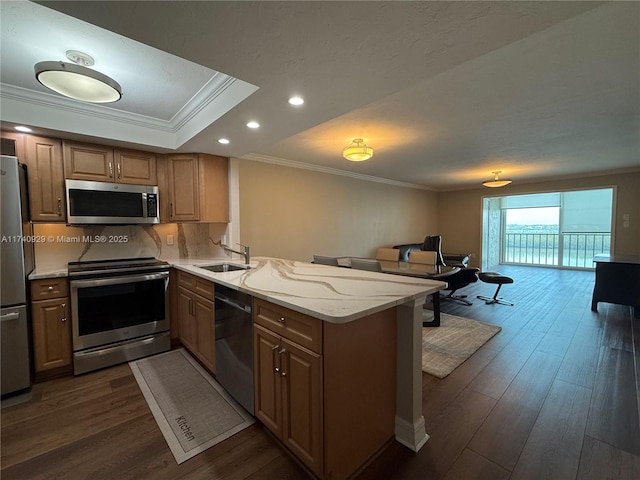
214,191
51,334
302,403
135,167
46,179
185,319
88,162
184,195
205,332
268,395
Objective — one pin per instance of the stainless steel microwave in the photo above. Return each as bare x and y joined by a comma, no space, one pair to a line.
111,203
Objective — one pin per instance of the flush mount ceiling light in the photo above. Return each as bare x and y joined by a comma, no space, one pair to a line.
223,141
75,80
253,124
496,182
296,101
357,151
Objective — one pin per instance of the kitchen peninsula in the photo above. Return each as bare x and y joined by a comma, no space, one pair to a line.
360,350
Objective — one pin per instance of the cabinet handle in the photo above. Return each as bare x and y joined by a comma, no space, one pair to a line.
64,312
110,170
273,352
50,288
282,372
119,170
281,319
190,306
171,207
59,206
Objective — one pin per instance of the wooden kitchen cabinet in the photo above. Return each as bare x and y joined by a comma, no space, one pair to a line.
288,381
135,167
196,317
43,157
100,163
83,161
50,314
198,188
326,390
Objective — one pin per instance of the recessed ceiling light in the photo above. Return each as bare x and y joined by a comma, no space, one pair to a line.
297,101
253,124
223,141
23,129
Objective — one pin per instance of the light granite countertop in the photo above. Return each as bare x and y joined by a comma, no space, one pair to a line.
332,294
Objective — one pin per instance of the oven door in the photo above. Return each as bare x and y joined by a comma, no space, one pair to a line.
113,309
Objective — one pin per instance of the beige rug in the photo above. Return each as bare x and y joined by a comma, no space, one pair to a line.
446,347
192,410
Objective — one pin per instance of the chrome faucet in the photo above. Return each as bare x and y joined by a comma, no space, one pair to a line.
245,253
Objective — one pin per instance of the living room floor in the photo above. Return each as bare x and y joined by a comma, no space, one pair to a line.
553,395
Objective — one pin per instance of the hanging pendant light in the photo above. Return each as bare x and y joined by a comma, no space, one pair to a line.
75,80
357,151
496,182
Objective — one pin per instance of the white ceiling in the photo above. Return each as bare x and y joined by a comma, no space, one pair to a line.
445,92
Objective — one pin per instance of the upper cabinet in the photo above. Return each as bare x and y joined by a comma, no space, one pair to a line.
43,157
198,187
104,164
193,187
134,166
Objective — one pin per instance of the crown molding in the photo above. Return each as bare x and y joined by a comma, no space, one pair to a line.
49,100
219,95
331,171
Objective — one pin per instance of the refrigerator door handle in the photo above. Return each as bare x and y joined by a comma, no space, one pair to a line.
9,316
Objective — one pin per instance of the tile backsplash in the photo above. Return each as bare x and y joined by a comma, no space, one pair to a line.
59,244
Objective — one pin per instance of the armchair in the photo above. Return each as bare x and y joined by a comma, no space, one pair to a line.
458,280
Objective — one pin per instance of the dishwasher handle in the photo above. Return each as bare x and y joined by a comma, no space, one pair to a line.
232,303
9,317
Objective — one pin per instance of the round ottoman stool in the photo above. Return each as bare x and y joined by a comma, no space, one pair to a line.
496,279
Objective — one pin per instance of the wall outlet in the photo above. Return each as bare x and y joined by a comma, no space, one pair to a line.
169,239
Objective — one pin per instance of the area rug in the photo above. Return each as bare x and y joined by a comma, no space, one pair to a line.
445,347
192,410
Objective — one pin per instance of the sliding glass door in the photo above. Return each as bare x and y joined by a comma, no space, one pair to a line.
561,229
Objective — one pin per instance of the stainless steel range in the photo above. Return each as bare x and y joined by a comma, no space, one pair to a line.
119,311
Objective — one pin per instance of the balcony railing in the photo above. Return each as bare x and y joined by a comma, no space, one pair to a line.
559,249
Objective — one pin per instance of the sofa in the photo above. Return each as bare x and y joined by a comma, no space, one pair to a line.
450,259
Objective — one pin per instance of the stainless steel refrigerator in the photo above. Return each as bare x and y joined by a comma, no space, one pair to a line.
15,265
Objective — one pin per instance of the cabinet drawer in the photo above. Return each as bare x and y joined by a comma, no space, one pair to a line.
301,329
49,288
196,284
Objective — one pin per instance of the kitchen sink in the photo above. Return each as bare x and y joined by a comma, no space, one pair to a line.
223,267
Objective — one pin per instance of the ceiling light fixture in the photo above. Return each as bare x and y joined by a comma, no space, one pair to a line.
223,141
357,151
496,182
75,80
296,101
22,128
253,124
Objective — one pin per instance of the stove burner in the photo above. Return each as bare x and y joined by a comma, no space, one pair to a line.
116,265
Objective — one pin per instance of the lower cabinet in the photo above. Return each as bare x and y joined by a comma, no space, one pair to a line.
289,394
50,317
326,390
195,312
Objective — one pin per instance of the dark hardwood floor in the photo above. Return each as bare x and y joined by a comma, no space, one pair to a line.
554,395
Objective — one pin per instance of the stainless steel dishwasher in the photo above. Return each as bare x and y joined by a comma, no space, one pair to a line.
234,344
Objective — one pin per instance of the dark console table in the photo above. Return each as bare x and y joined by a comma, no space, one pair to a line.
617,281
